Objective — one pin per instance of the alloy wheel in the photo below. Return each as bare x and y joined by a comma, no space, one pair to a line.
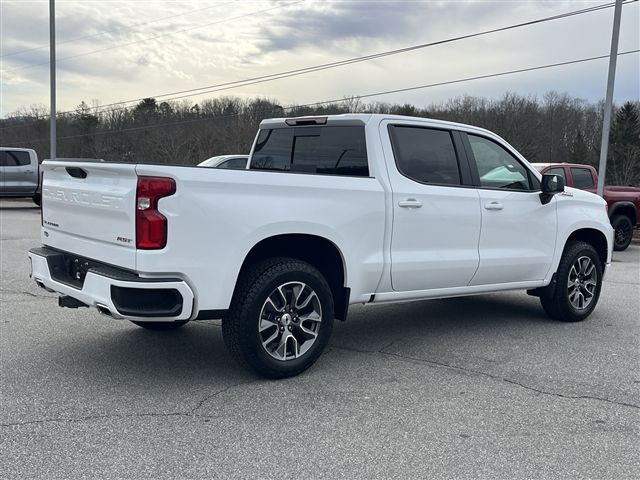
289,321
582,283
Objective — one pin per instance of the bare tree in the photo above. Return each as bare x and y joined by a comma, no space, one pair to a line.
555,128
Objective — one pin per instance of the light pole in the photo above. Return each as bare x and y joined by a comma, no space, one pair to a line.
52,76
608,102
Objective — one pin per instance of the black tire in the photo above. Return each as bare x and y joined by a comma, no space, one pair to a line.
37,199
240,327
555,301
160,326
623,232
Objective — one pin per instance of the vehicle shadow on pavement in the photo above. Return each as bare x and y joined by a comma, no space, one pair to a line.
196,354
485,320
193,354
482,310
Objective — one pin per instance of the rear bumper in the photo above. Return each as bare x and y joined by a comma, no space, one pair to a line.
118,293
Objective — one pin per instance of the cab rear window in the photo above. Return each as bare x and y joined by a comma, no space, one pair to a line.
582,178
330,150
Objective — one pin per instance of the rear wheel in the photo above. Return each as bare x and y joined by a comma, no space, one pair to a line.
281,318
623,232
578,284
160,325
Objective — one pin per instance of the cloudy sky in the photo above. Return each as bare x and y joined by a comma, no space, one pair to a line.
111,51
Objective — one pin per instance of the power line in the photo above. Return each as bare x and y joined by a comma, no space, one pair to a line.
84,37
367,95
326,66
500,74
24,67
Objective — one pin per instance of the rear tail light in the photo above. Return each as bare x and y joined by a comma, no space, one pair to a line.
151,225
41,180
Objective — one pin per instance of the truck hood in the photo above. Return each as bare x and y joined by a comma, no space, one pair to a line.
582,196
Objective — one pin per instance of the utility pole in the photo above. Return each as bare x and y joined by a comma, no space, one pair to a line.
608,102
52,76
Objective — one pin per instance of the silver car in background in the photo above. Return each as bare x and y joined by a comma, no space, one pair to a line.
19,173
233,162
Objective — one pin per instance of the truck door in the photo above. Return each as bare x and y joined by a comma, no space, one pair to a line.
518,236
436,213
3,157
20,176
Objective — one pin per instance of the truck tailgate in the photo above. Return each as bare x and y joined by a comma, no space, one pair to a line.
89,209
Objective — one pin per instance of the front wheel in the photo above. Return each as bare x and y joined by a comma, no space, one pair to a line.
578,284
281,318
623,232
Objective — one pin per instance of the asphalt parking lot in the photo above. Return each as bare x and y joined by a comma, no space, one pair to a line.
477,387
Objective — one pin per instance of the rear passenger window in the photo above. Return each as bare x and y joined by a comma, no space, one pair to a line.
273,150
10,158
582,178
320,150
426,155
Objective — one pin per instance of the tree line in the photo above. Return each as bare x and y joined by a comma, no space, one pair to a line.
552,128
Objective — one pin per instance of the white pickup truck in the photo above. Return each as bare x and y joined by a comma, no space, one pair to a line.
332,211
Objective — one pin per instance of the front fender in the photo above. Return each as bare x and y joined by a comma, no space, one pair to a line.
563,237
627,206
580,210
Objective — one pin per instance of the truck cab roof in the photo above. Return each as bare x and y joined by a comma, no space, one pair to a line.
346,119
542,166
18,149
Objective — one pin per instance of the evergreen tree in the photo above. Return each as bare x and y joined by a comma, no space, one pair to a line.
626,126
624,150
579,151
84,118
147,108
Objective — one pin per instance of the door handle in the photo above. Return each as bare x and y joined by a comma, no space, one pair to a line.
493,206
28,171
410,203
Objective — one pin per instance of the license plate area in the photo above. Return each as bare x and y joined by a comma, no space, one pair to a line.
70,269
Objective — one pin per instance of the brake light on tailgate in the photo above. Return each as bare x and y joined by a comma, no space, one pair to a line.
151,225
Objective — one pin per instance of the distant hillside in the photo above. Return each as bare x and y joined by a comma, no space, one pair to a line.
554,128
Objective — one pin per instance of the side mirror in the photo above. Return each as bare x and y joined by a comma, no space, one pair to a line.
550,185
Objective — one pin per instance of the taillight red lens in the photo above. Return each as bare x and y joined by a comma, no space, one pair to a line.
151,225
41,180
